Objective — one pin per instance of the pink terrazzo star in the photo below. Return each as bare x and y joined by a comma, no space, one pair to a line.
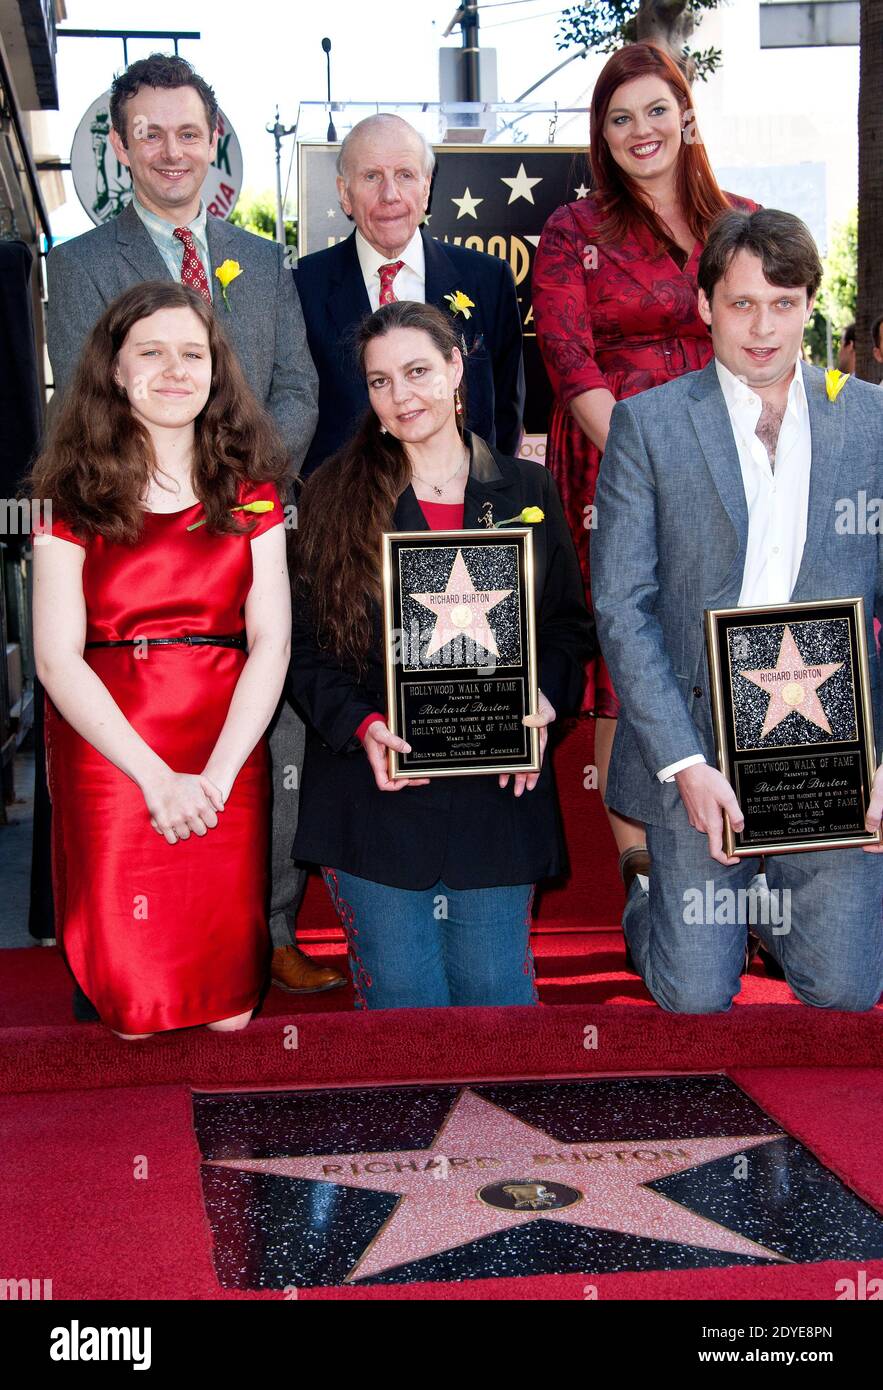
462,610
480,1145
791,685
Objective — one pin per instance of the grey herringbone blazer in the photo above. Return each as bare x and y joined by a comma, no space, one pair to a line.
265,324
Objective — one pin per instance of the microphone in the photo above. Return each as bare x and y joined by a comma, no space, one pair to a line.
331,136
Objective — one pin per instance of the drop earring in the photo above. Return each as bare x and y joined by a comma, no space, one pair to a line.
458,404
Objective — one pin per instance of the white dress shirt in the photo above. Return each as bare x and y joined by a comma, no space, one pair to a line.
409,283
777,499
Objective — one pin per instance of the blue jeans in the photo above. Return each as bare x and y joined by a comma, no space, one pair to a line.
821,922
436,946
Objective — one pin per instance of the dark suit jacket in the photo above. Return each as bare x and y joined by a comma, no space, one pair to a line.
264,324
332,292
20,398
466,831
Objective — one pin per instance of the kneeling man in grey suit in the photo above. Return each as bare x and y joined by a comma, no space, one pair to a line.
718,490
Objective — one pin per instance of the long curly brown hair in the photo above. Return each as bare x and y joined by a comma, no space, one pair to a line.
347,504
99,459
622,202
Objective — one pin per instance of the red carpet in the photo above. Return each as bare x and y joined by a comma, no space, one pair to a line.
75,1094
430,1045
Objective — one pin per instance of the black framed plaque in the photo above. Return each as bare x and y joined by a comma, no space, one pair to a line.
791,702
460,640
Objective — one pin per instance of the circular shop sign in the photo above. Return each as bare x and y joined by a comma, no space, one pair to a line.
104,186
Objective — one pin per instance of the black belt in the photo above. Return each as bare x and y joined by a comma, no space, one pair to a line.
239,640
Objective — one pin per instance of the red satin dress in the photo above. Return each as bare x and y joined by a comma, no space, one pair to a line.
624,317
162,936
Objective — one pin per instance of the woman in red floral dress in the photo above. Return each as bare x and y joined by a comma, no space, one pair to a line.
615,303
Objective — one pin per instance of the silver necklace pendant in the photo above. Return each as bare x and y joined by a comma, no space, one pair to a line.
439,490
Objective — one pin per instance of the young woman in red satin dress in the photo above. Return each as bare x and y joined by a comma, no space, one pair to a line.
615,303
162,620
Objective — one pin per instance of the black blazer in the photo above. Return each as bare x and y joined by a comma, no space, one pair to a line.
466,831
334,301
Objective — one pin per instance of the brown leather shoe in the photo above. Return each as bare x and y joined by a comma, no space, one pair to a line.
296,973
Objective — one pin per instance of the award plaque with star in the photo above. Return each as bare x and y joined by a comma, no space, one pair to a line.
791,703
460,641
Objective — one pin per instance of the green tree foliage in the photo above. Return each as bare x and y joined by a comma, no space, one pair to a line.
839,290
256,212
605,25
836,299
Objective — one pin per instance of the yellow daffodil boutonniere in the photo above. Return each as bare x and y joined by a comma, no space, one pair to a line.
460,303
227,273
530,516
256,507
835,382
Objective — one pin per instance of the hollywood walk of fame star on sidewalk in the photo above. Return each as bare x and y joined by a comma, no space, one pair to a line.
794,691
440,1209
461,610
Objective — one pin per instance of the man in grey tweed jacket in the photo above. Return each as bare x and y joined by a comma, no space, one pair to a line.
725,488
165,129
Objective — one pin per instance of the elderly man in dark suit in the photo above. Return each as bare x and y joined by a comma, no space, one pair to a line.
165,130
384,176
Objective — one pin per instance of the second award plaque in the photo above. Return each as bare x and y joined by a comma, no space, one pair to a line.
461,666
793,723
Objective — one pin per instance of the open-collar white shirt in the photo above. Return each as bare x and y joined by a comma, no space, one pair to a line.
777,498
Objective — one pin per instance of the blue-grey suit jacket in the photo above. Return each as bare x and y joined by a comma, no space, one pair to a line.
670,541
265,323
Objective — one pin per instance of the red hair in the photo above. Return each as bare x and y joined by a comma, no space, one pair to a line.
621,200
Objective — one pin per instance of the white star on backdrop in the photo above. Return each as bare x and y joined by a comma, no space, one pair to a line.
521,185
467,205
582,191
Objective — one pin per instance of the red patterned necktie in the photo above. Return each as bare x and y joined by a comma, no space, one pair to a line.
192,269
387,274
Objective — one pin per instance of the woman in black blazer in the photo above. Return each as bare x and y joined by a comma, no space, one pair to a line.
432,879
